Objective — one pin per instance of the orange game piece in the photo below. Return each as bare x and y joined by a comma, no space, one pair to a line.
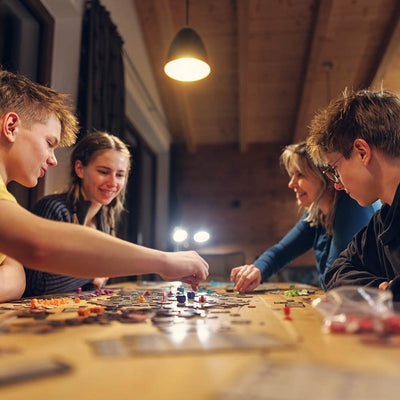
84,312
97,309
141,299
63,301
77,300
34,303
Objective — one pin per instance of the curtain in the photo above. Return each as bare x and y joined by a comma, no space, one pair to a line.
101,97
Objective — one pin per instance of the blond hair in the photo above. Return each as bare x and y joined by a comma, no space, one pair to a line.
36,103
297,156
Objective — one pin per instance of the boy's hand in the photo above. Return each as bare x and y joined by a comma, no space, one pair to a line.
384,285
186,266
98,283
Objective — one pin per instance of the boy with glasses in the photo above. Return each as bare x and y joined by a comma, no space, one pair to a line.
358,136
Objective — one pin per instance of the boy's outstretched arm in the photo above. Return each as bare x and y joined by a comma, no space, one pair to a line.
76,250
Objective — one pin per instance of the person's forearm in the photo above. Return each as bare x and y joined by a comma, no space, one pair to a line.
79,251
84,252
72,249
342,273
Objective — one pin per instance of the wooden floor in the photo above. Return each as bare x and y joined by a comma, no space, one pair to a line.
195,375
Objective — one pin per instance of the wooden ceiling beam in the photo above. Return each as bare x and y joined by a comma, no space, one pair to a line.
167,32
313,63
243,53
390,49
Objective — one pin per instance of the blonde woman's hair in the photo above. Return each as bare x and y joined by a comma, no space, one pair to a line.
86,151
297,156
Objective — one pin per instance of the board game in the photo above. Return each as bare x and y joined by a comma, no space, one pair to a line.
177,321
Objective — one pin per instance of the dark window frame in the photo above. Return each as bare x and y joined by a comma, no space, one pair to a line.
28,196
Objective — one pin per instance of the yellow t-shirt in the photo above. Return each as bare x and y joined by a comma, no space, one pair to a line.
5,195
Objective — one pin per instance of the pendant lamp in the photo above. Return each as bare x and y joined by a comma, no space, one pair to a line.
187,56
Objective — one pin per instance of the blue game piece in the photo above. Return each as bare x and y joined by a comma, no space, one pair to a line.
181,298
191,295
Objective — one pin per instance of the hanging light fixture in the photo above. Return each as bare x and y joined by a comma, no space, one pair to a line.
187,56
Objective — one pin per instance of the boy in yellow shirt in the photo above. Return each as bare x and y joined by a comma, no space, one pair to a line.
34,120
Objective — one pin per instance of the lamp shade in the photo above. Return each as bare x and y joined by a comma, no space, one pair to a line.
187,57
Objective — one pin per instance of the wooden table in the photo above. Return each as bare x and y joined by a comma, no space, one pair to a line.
190,375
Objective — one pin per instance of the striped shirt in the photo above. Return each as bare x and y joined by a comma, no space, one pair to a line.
56,207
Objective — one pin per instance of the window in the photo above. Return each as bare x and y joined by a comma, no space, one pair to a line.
138,221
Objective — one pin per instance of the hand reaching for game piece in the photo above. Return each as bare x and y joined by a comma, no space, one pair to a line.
98,283
246,278
384,285
186,266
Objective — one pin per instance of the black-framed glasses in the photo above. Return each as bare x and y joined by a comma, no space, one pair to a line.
331,172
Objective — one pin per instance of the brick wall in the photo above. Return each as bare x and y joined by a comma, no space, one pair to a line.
242,199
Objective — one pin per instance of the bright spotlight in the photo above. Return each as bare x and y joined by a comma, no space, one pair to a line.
201,236
179,235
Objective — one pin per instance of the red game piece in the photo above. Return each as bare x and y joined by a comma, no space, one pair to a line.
391,325
202,299
286,310
337,327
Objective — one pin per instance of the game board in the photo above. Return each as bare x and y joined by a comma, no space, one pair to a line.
186,321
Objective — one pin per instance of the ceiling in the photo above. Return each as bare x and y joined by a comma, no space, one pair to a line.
273,63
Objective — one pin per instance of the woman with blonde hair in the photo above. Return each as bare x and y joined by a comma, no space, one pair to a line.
330,221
